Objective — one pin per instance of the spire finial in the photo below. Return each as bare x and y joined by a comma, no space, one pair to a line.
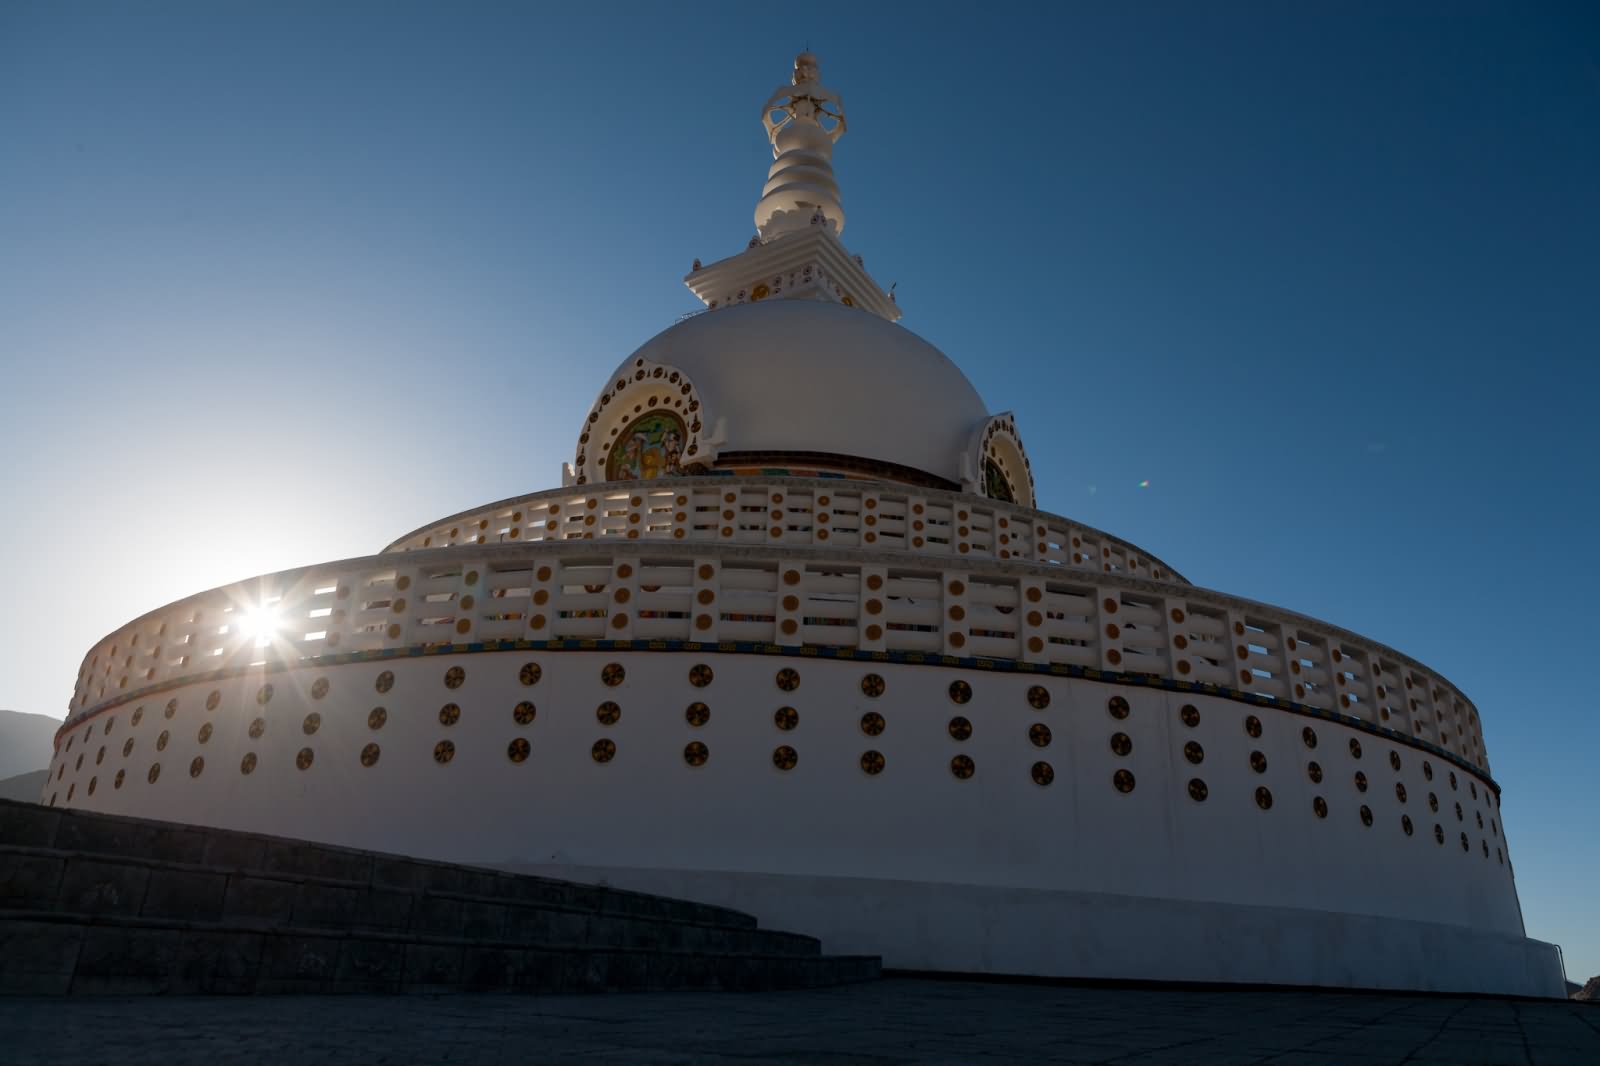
803,120
805,67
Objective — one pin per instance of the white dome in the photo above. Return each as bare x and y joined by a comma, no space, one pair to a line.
809,376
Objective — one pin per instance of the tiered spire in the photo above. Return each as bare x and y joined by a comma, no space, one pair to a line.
796,253
802,129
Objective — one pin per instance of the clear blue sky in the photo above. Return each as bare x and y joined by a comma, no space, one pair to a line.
279,282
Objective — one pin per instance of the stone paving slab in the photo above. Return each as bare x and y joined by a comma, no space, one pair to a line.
892,1022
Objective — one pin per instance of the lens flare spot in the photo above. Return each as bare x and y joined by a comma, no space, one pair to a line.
261,624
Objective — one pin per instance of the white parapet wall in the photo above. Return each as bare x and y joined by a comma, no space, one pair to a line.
790,512
1043,613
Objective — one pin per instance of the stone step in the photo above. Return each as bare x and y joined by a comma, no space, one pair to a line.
99,884
50,953
88,833
95,903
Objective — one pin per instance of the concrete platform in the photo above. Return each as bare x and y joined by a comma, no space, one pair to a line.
989,929
885,1023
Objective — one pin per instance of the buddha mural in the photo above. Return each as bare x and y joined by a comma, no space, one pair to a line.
995,483
650,447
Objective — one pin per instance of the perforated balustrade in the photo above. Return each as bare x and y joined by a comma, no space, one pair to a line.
835,597
791,512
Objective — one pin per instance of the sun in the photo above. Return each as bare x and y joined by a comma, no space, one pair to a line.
260,624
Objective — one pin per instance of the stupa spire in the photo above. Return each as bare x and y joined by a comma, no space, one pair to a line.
797,253
803,120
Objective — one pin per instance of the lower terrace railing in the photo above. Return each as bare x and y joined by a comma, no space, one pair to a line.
853,598
791,512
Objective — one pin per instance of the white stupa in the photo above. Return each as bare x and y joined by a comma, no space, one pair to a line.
792,636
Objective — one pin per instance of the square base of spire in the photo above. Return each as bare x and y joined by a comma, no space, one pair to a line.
811,265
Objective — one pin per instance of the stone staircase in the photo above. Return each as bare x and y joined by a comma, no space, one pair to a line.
95,903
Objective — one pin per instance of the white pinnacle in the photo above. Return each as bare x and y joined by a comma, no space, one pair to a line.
800,185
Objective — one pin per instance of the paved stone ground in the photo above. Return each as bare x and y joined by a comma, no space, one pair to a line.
886,1023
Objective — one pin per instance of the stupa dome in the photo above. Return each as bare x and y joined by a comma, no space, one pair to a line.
780,381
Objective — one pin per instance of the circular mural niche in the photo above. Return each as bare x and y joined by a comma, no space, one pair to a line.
650,447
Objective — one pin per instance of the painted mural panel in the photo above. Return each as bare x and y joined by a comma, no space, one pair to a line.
650,447
995,485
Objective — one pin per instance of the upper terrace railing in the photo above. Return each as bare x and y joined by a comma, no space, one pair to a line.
874,601
787,512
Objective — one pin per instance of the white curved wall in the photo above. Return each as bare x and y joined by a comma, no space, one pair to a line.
826,818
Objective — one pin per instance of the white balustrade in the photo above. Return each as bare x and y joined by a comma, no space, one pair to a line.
838,596
792,512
